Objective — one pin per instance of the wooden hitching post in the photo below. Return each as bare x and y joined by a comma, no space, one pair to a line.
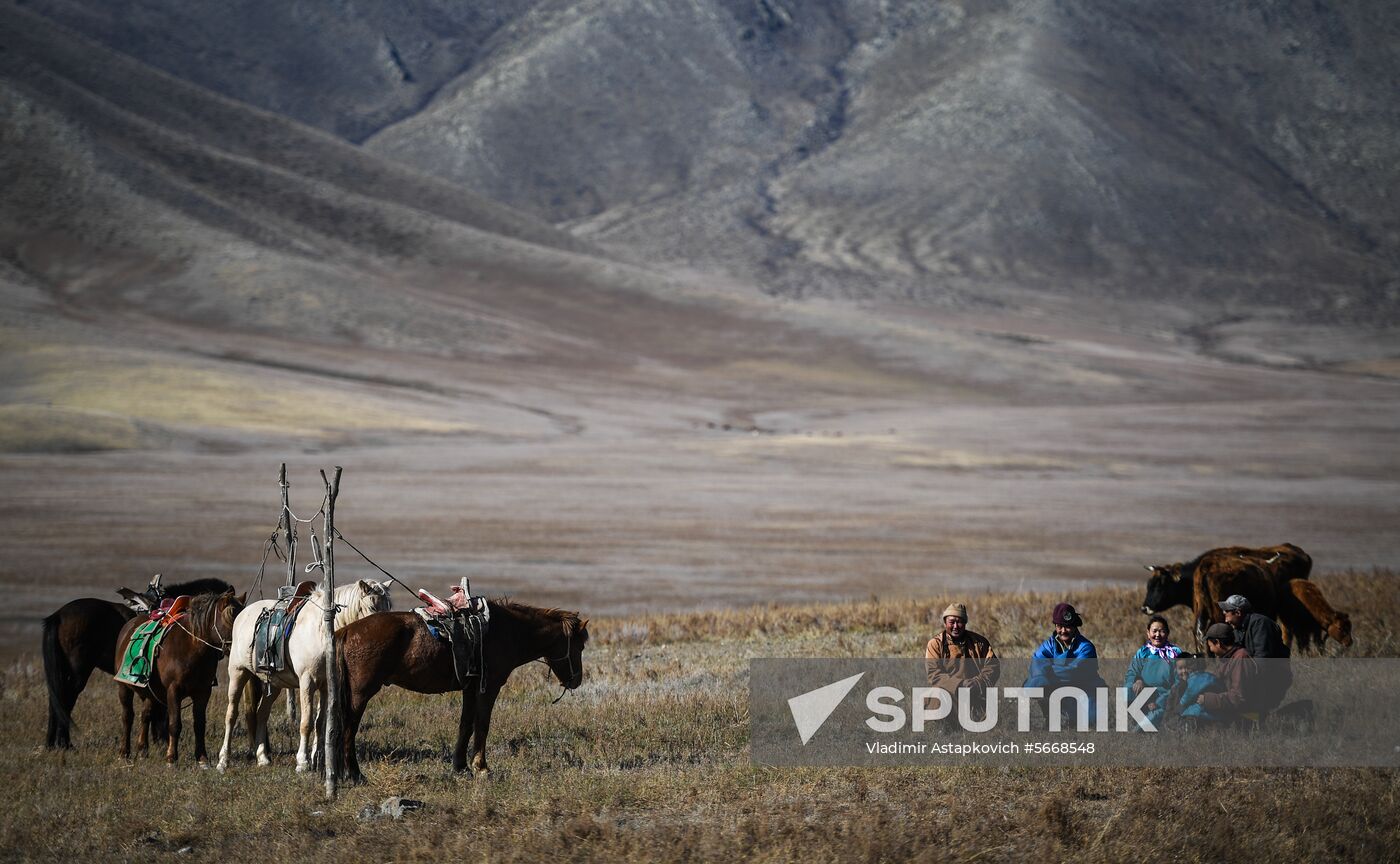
289,532
332,726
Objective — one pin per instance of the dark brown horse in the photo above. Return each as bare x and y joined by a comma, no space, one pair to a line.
184,669
396,648
82,636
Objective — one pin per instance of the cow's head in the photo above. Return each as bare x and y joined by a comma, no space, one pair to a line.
1340,630
1167,586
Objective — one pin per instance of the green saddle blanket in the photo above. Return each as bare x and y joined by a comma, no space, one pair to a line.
139,661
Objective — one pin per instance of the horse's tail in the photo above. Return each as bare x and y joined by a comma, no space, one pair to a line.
342,703
59,680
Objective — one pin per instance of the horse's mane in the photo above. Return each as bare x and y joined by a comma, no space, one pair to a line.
202,611
356,602
571,621
197,586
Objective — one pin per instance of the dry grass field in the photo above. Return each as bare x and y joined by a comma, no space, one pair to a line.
649,760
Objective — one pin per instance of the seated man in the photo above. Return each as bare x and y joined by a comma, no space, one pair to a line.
1260,636
1066,659
960,662
1238,678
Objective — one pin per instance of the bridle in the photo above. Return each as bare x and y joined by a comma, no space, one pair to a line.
225,642
567,655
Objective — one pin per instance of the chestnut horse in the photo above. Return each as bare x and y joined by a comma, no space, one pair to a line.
184,669
396,648
82,636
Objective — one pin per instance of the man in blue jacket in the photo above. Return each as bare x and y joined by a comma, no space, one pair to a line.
1066,659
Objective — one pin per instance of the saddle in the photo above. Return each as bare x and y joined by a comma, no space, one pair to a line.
139,660
274,626
170,609
462,623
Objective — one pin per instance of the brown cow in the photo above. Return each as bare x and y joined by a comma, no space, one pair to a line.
1285,562
1311,618
1206,580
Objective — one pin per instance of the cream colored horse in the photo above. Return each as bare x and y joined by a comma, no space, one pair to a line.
305,671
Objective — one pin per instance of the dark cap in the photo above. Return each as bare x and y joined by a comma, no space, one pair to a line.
1065,616
1221,632
1235,603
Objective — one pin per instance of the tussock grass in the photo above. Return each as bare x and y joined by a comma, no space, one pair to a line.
648,760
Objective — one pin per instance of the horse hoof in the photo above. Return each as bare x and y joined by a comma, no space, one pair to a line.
481,773
223,766
303,767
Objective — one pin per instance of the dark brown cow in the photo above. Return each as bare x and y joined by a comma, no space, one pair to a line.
1311,618
1285,562
1207,579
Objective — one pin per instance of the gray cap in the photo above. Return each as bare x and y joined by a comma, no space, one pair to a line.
1221,632
1235,603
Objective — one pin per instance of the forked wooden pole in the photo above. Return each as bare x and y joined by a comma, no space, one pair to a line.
289,532
332,708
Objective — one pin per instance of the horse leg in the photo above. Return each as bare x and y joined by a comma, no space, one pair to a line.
124,695
464,726
149,715
354,712
60,726
484,703
199,706
172,713
308,724
236,680
259,721
317,705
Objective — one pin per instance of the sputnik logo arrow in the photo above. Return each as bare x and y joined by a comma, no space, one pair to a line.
810,710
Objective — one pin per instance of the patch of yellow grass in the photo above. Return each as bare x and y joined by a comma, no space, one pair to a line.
54,384
1387,367
884,447
41,429
966,460
833,374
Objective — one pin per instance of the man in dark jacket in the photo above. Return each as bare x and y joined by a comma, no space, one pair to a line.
1263,640
1238,676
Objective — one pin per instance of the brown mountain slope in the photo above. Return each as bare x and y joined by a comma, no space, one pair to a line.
1223,158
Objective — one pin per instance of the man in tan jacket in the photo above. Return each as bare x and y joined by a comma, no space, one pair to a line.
961,662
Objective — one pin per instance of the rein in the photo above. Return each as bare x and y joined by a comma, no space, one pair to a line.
225,641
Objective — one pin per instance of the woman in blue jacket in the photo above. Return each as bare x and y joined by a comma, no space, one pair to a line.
1067,659
1154,667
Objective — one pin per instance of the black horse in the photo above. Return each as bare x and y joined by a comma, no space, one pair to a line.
82,636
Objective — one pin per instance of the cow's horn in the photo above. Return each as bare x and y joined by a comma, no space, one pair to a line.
1148,567
1277,555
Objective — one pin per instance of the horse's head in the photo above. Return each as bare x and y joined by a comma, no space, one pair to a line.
374,597
228,608
565,657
